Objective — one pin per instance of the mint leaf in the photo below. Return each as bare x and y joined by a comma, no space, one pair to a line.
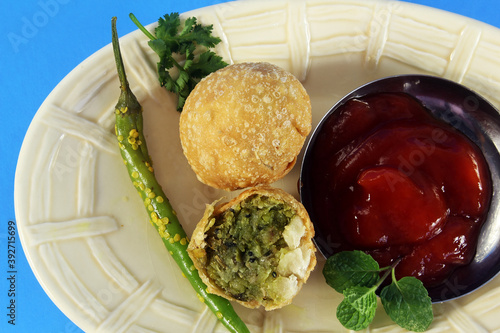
408,304
351,268
358,308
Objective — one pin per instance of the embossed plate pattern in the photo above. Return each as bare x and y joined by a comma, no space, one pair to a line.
83,227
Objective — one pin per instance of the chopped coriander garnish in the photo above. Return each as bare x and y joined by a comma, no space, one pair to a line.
175,44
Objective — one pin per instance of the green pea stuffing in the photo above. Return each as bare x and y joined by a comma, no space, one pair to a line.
256,249
245,244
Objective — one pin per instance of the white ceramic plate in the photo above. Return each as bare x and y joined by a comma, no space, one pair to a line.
83,226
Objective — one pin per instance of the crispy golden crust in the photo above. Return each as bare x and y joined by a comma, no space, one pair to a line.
244,125
197,252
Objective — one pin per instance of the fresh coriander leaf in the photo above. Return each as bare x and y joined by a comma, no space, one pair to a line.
351,268
408,304
207,63
182,81
358,308
188,25
182,39
167,30
159,47
184,86
201,35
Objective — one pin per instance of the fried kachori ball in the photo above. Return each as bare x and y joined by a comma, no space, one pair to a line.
244,125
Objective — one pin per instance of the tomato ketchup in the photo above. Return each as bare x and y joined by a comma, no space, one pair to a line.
390,179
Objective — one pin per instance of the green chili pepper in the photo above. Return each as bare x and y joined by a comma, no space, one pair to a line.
129,133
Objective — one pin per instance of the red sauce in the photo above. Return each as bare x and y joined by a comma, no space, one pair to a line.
390,179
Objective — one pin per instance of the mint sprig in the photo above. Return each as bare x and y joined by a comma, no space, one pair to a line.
356,275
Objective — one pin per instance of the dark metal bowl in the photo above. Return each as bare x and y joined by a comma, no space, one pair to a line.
477,119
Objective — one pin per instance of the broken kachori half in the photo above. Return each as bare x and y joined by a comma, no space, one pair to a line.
256,249
244,125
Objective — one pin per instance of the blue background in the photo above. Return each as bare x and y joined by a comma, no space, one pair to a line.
33,59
